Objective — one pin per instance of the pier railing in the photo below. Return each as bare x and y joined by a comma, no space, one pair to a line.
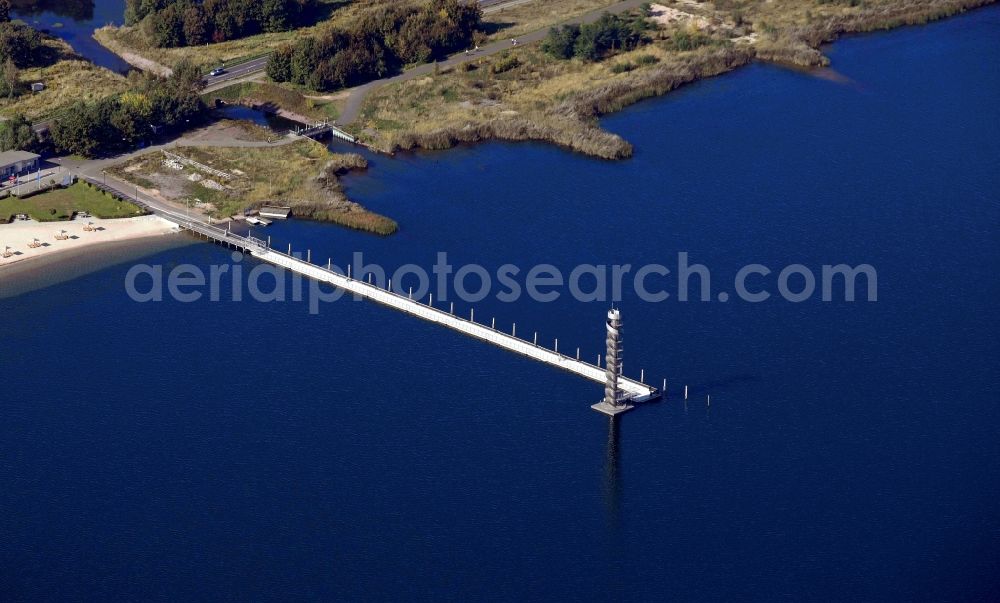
509,341
635,390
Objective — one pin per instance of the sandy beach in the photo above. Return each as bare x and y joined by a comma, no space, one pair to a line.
16,236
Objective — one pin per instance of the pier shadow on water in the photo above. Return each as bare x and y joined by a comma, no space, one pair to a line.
612,491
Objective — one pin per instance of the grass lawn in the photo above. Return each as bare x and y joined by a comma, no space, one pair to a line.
60,203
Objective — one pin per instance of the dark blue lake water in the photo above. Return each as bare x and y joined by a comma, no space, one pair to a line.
75,22
248,451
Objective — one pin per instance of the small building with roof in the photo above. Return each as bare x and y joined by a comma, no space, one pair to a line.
14,163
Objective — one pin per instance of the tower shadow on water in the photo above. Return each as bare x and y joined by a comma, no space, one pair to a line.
612,478
615,553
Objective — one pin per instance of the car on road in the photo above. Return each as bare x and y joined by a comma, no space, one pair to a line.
216,72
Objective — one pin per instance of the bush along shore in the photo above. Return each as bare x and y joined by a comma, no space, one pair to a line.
336,207
556,91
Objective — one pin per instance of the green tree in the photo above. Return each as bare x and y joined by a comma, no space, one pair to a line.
10,79
303,62
166,27
279,65
4,11
186,78
277,15
561,41
77,130
16,134
195,26
21,44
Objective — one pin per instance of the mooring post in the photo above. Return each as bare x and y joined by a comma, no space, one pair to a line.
493,325
577,353
289,249
411,292
451,310
535,341
557,346
329,263
431,302
472,315
598,360
268,241
309,256
685,393
664,390
708,400
642,375
513,330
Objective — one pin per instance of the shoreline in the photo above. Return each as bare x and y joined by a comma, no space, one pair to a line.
572,122
66,265
17,235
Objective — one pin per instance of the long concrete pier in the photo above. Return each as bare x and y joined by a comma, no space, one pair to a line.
638,392
631,390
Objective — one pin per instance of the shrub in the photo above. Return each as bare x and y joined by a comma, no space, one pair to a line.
560,41
16,133
622,67
594,41
506,62
688,39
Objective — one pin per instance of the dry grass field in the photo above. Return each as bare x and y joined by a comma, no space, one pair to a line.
67,80
302,175
537,14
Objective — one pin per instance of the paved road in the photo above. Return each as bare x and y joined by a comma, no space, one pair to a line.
234,72
242,71
358,94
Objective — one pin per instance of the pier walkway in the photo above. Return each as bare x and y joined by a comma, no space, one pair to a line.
631,390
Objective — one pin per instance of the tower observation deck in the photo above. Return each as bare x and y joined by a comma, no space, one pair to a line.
616,400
